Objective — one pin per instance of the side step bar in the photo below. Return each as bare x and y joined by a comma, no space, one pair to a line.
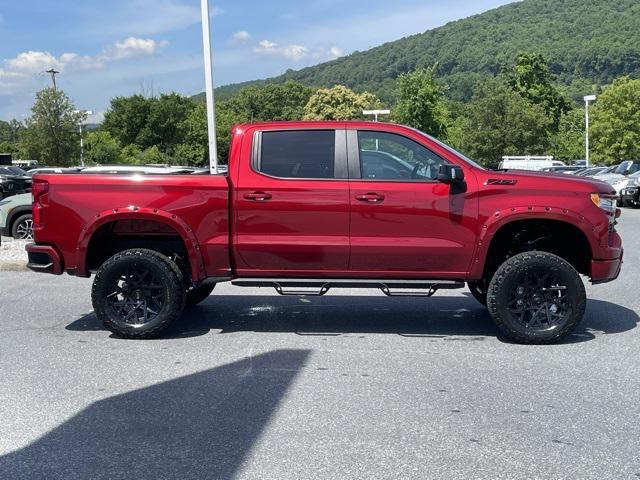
319,287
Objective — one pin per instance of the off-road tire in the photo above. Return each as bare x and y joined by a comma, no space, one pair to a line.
165,270
198,294
479,291
500,290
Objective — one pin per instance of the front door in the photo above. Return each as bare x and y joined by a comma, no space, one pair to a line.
292,204
404,223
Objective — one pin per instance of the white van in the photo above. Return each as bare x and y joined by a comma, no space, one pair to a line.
529,163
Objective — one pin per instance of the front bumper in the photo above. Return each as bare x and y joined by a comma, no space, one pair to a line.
44,259
603,271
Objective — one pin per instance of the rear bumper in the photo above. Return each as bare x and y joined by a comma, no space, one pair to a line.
44,259
603,271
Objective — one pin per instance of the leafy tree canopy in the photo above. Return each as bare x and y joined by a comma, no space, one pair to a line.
421,103
500,122
52,135
531,78
339,103
615,127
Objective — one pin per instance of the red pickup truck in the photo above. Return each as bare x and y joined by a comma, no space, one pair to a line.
310,206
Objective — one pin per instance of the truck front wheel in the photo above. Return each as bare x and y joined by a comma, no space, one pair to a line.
536,298
138,293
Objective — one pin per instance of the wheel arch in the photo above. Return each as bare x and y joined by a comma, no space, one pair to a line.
152,215
16,213
504,220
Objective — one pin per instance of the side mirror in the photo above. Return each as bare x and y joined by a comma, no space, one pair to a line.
450,173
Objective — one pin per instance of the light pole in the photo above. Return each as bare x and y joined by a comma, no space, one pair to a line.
208,87
86,112
587,99
375,114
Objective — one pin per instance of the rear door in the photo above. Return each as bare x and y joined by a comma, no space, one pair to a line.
292,203
404,222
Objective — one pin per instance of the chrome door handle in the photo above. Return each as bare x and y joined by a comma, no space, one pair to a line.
258,196
370,198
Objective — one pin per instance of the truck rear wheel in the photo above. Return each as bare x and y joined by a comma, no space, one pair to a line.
199,294
536,298
138,293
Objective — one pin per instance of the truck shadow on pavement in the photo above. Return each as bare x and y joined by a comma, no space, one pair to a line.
459,318
194,427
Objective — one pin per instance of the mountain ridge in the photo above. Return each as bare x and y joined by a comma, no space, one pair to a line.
587,42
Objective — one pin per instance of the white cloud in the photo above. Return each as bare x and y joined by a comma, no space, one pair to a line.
295,52
335,52
26,64
241,36
292,52
133,47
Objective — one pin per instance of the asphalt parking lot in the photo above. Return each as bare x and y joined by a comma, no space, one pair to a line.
352,385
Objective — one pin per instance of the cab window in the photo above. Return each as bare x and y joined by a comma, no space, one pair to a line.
388,156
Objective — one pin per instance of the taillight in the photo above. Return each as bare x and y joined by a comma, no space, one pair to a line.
39,191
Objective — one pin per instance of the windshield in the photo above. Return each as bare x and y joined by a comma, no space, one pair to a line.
622,168
450,149
12,171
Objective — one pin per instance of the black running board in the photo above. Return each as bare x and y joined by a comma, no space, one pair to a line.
320,286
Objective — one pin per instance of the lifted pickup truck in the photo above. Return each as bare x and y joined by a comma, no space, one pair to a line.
310,206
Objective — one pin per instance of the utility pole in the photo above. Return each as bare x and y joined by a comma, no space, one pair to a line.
53,74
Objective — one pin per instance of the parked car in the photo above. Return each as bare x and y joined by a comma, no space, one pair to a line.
593,171
301,211
534,164
37,170
141,170
629,194
621,171
13,181
564,169
15,217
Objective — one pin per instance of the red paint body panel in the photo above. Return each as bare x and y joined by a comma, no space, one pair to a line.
318,228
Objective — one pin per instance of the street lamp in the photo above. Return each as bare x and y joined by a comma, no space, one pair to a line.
587,99
375,113
86,112
208,87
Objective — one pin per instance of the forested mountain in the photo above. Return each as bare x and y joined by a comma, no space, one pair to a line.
588,42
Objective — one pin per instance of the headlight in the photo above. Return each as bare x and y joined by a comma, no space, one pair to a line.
605,201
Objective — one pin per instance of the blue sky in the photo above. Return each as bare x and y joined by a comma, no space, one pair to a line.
106,48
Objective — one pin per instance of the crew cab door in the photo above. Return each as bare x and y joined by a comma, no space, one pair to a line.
292,203
404,222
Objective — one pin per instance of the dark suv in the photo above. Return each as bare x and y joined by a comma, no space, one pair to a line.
13,180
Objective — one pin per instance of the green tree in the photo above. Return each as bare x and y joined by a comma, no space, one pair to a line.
127,117
500,122
615,128
194,150
531,78
101,148
163,124
421,103
339,103
52,135
275,102
568,143
131,154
